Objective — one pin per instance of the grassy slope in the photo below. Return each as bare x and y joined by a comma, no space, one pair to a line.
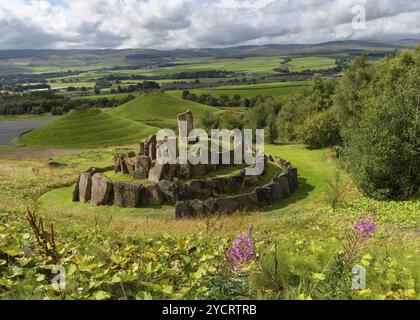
159,109
90,128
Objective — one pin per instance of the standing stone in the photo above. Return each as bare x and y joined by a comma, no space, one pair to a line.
142,167
276,191
221,185
117,163
85,187
183,190
127,195
188,118
157,172
236,182
124,168
170,171
130,164
203,188
284,183
151,195
102,190
76,197
150,147
264,196
168,190
251,181
142,148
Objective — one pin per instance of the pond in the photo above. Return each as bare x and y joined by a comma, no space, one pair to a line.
10,130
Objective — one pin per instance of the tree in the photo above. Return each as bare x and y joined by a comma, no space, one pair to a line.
273,131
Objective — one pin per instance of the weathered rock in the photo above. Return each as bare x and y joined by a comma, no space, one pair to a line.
142,167
211,167
85,187
276,191
127,195
156,172
183,190
284,183
199,170
264,196
130,164
293,179
183,171
247,202
226,205
142,148
76,197
94,170
151,195
183,210
102,190
188,118
169,191
221,185
197,208
56,165
123,164
150,146
236,182
117,163
170,171
203,188
251,181
270,158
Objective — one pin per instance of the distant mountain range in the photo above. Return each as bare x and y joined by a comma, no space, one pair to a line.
21,60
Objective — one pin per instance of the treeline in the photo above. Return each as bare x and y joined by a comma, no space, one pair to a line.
50,102
223,101
370,115
176,76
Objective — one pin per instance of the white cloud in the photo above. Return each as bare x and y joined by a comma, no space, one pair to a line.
172,24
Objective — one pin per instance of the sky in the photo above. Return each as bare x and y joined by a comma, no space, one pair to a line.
171,24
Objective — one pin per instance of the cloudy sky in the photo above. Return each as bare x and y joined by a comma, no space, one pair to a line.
169,24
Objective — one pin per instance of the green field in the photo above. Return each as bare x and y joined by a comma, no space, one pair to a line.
158,109
88,128
251,90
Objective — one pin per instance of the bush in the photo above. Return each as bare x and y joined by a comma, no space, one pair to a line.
320,130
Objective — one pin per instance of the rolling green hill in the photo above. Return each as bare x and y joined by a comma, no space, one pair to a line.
87,128
159,109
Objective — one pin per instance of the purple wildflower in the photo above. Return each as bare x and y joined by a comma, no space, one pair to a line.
365,227
242,249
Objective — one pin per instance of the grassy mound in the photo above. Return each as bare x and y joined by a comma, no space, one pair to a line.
159,109
87,128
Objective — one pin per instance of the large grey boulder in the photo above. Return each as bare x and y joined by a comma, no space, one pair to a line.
85,187
151,195
127,195
102,190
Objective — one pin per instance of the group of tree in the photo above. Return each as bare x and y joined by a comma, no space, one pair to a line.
370,114
224,101
50,102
